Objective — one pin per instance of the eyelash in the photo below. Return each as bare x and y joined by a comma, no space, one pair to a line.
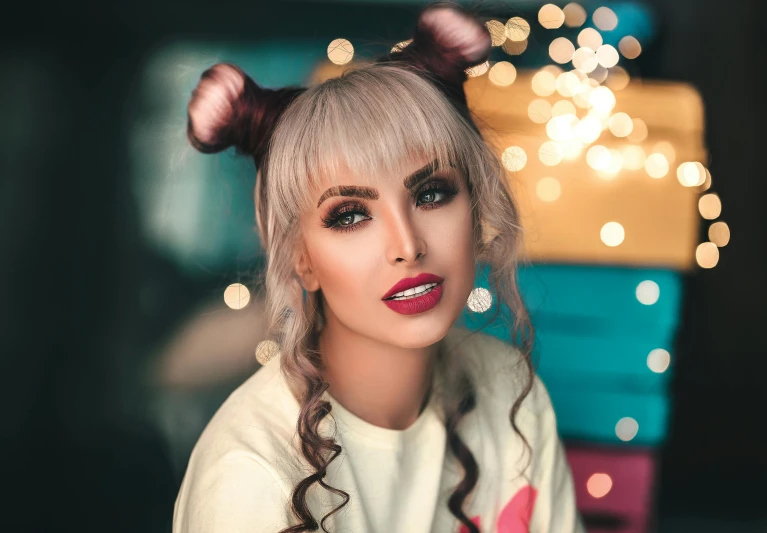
446,187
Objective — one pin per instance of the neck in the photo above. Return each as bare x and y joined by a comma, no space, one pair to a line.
384,385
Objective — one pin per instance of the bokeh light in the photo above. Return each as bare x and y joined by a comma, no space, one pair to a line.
517,29
551,17
621,124
607,56
590,38
563,107
503,74
658,360
548,189
551,153
236,296
656,165
691,173
340,51
497,31
612,234
630,47
617,78
605,18
598,157
514,158
710,206
585,59
539,111
719,233
648,292
626,429
478,70
633,157
639,131
266,350
575,15
561,50
514,48
707,255
667,149
544,83
599,485
561,128
480,300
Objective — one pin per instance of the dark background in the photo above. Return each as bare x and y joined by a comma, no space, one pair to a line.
77,453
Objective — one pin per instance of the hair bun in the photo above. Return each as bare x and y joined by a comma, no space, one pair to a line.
228,108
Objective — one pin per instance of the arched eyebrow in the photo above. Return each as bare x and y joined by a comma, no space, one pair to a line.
411,182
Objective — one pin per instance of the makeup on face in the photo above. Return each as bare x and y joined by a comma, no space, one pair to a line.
440,189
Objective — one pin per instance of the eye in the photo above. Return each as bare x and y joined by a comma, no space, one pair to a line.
347,216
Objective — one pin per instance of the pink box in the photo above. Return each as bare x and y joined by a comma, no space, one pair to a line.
613,483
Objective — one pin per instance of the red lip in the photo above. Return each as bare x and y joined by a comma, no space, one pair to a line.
409,283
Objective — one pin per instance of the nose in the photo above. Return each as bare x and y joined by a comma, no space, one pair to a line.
404,241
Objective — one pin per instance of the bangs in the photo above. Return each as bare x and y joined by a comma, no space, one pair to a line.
371,122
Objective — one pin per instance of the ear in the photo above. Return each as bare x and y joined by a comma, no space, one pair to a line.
305,271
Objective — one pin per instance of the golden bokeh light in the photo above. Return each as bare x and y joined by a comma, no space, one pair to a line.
630,47
612,234
340,51
656,165
598,157
561,50
607,56
551,153
605,18
602,99
719,233
706,184
572,149
667,149
626,429
599,485
599,74
551,17
633,157
648,292
568,83
621,124
582,96
539,111
480,300
707,255
497,31
548,189
514,158
561,128
585,59
544,83
615,165
266,351
710,206
658,360
575,15
236,296
617,78
517,29
563,107
514,48
691,174
590,38
639,131
588,129
478,70
502,74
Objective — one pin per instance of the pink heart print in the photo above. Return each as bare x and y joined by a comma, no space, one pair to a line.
516,515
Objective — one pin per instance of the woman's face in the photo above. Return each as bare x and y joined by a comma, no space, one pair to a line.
359,245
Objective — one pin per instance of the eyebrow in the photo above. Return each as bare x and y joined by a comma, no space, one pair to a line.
370,193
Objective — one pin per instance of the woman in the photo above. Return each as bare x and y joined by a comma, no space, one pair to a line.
376,198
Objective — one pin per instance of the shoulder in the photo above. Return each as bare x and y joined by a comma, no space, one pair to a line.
255,425
239,471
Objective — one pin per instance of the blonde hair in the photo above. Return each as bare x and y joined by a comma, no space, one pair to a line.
371,120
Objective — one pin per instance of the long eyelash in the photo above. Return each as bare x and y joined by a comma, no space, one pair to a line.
444,185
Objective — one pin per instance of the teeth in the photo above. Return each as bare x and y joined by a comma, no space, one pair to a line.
415,291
